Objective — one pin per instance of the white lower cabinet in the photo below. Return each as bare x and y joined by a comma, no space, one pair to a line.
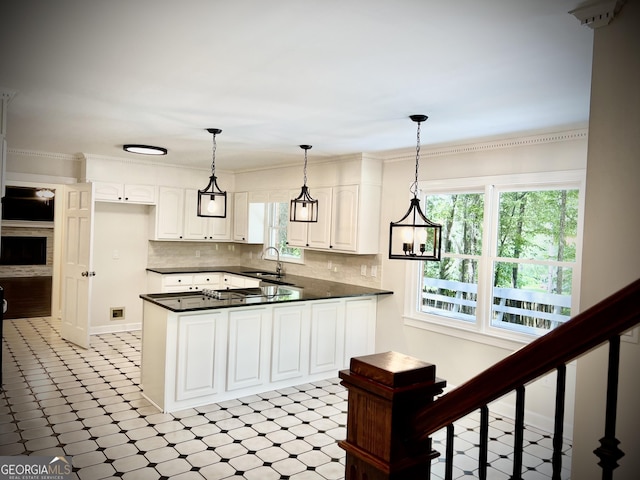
196,358
290,343
200,362
248,348
327,336
360,329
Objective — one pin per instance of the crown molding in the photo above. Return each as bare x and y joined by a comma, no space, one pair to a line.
598,14
32,153
497,144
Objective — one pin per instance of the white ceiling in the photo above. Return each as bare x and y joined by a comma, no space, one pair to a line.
341,75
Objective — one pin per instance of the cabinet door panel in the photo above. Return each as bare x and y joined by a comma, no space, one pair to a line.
344,218
169,213
360,325
327,333
140,194
289,351
195,227
108,192
245,364
319,233
198,366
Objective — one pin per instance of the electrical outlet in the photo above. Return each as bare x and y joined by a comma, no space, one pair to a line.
329,265
363,270
374,270
115,255
197,253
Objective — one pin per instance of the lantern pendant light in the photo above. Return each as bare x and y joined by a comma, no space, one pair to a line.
212,202
303,207
414,236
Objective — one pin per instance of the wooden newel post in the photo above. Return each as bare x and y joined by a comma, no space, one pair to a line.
386,391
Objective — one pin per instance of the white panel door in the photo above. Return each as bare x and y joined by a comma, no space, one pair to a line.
248,349
77,263
290,344
200,367
327,334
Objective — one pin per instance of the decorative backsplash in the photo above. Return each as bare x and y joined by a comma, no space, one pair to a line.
344,268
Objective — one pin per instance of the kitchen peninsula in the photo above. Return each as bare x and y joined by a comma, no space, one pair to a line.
217,333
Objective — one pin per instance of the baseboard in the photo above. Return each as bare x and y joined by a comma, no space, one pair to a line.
121,327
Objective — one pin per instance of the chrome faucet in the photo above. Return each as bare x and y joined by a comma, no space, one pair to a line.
278,262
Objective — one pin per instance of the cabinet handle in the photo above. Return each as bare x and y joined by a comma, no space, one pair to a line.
126,198
179,280
119,198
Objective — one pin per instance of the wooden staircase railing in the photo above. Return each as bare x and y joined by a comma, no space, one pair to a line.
392,412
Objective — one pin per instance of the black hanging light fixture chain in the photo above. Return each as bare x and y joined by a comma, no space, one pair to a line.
214,132
305,148
418,119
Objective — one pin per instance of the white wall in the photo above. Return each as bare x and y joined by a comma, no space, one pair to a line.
119,260
612,229
456,359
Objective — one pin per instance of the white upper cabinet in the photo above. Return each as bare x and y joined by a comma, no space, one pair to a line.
249,216
169,214
204,228
125,193
176,218
348,220
316,234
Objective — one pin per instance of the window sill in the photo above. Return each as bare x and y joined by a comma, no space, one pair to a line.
486,338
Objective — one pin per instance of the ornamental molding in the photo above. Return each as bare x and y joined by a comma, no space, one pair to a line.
598,14
491,145
49,155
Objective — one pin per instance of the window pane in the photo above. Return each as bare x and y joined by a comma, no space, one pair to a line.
279,218
530,298
540,225
450,288
461,216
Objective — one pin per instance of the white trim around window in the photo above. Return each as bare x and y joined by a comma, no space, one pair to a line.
481,330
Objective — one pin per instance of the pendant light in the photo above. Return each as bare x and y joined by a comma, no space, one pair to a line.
414,236
212,202
303,207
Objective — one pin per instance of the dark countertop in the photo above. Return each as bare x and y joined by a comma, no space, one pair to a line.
287,288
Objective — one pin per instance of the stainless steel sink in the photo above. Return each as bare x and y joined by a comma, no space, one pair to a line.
263,273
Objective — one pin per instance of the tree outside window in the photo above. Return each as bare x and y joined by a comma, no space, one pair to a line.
278,218
509,257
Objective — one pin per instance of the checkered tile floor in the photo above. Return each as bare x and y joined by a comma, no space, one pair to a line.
62,400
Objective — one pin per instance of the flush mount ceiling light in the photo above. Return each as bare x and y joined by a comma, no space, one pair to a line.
144,149
212,202
303,207
414,236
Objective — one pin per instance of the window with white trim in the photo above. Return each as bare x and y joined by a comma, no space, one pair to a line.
277,221
510,254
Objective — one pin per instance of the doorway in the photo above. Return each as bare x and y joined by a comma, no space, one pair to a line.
29,258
